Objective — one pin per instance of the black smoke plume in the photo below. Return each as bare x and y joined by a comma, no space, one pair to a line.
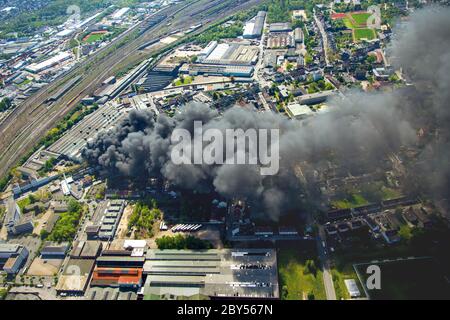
358,132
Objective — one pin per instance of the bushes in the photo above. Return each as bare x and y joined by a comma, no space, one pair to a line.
66,226
182,242
144,215
5,104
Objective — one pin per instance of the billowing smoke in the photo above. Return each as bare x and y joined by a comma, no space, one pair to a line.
422,49
358,132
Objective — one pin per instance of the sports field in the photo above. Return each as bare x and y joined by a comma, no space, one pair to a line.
94,37
363,33
360,18
409,280
357,22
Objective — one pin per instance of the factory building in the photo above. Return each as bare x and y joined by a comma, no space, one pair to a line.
254,28
12,257
47,64
71,143
232,54
211,274
280,40
217,70
111,219
117,277
86,249
280,27
75,277
207,50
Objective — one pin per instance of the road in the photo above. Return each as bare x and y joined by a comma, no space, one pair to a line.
323,256
324,38
25,126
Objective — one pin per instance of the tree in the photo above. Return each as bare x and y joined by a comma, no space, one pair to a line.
44,234
182,242
310,267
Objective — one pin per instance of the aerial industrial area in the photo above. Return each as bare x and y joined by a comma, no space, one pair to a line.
93,207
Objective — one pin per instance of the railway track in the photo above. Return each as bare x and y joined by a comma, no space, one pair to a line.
23,128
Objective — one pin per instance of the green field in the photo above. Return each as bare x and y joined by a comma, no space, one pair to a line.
339,275
296,282
409,280
360,18
364,33
348,23
183,81
356,200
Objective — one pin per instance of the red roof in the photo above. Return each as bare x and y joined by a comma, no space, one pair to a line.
120,276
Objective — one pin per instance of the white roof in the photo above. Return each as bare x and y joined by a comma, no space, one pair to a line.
248,28
352,287
65,33
50,62
218,52
134,244
119,13
299,110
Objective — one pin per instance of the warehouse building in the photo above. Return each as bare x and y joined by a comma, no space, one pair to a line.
75,277
86,249
207,50
111,219
117,277
71,143
217,70
280,40
47,64
214,274
254,28
280,27
64,89
232,54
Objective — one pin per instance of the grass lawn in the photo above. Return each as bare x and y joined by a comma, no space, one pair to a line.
185,81
22,203
339,275
361,18
409,279
295,282
364,33
389,193
355,200
348,23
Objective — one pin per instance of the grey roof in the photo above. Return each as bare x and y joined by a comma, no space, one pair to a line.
220,273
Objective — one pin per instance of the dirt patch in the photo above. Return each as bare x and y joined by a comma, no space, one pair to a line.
44,267
122,228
